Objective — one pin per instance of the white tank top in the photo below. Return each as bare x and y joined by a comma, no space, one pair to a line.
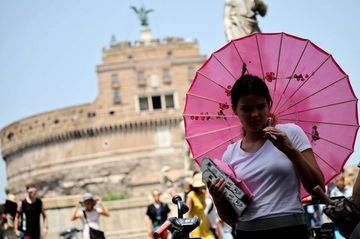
269,175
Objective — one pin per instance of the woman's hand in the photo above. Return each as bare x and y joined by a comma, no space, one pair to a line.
224,208
98,200
281,140
217,189
45,231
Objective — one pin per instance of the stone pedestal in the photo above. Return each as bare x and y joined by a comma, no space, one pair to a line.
146,35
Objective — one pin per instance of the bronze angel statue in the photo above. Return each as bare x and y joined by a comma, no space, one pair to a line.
142,14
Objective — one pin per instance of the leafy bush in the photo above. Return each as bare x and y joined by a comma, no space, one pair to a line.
115,196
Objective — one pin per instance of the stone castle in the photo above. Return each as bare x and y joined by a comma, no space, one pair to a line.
121,142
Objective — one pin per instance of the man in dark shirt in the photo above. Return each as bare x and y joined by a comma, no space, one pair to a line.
29,211
156,215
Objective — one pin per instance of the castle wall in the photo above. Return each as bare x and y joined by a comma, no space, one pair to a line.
122,140
113,159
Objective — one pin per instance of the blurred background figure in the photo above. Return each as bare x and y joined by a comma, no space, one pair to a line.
240,17
165,180
332,185
356,197
340,188
223,230
186,188
313,215
211,213
92,213
196,202
156,215
7,218
28,214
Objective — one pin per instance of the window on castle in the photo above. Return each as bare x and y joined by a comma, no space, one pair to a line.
117,98
166,73
114,78
191,71
91,114
141,75
169,101
10,136
156,102
143,103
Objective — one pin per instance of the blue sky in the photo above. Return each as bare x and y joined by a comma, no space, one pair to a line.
49,49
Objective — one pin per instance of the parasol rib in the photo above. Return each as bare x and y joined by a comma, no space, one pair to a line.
213,131
329,56
318,156
277,68
299,101
200,73
205,98
281,115
217,146
210,115
224,67
259,53
317,122
237,51
297,64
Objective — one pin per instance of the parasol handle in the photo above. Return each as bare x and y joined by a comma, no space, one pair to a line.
321,194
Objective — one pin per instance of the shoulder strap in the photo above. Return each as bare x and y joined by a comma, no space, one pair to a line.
211,207
85,216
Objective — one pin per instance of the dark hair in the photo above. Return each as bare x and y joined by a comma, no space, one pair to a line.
249,84
30,185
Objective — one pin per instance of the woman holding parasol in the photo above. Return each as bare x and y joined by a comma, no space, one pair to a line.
273,161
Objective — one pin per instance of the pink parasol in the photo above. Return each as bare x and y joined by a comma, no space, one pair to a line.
307,86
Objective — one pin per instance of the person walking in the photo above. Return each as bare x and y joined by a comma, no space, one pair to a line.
28,213
273,161
90,216
156,214
211,213
356,197
8,216
196,202
223,230
341,189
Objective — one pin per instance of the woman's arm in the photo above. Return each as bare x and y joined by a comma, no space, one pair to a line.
75,214
356,191
104,210
148,225
45,220
307,169
16,220
189,205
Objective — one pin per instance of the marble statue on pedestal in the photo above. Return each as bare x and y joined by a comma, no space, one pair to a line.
240,17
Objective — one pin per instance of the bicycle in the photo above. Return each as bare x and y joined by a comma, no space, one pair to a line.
327,230
70,233
179,227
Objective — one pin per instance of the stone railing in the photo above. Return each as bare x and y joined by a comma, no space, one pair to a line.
127,217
